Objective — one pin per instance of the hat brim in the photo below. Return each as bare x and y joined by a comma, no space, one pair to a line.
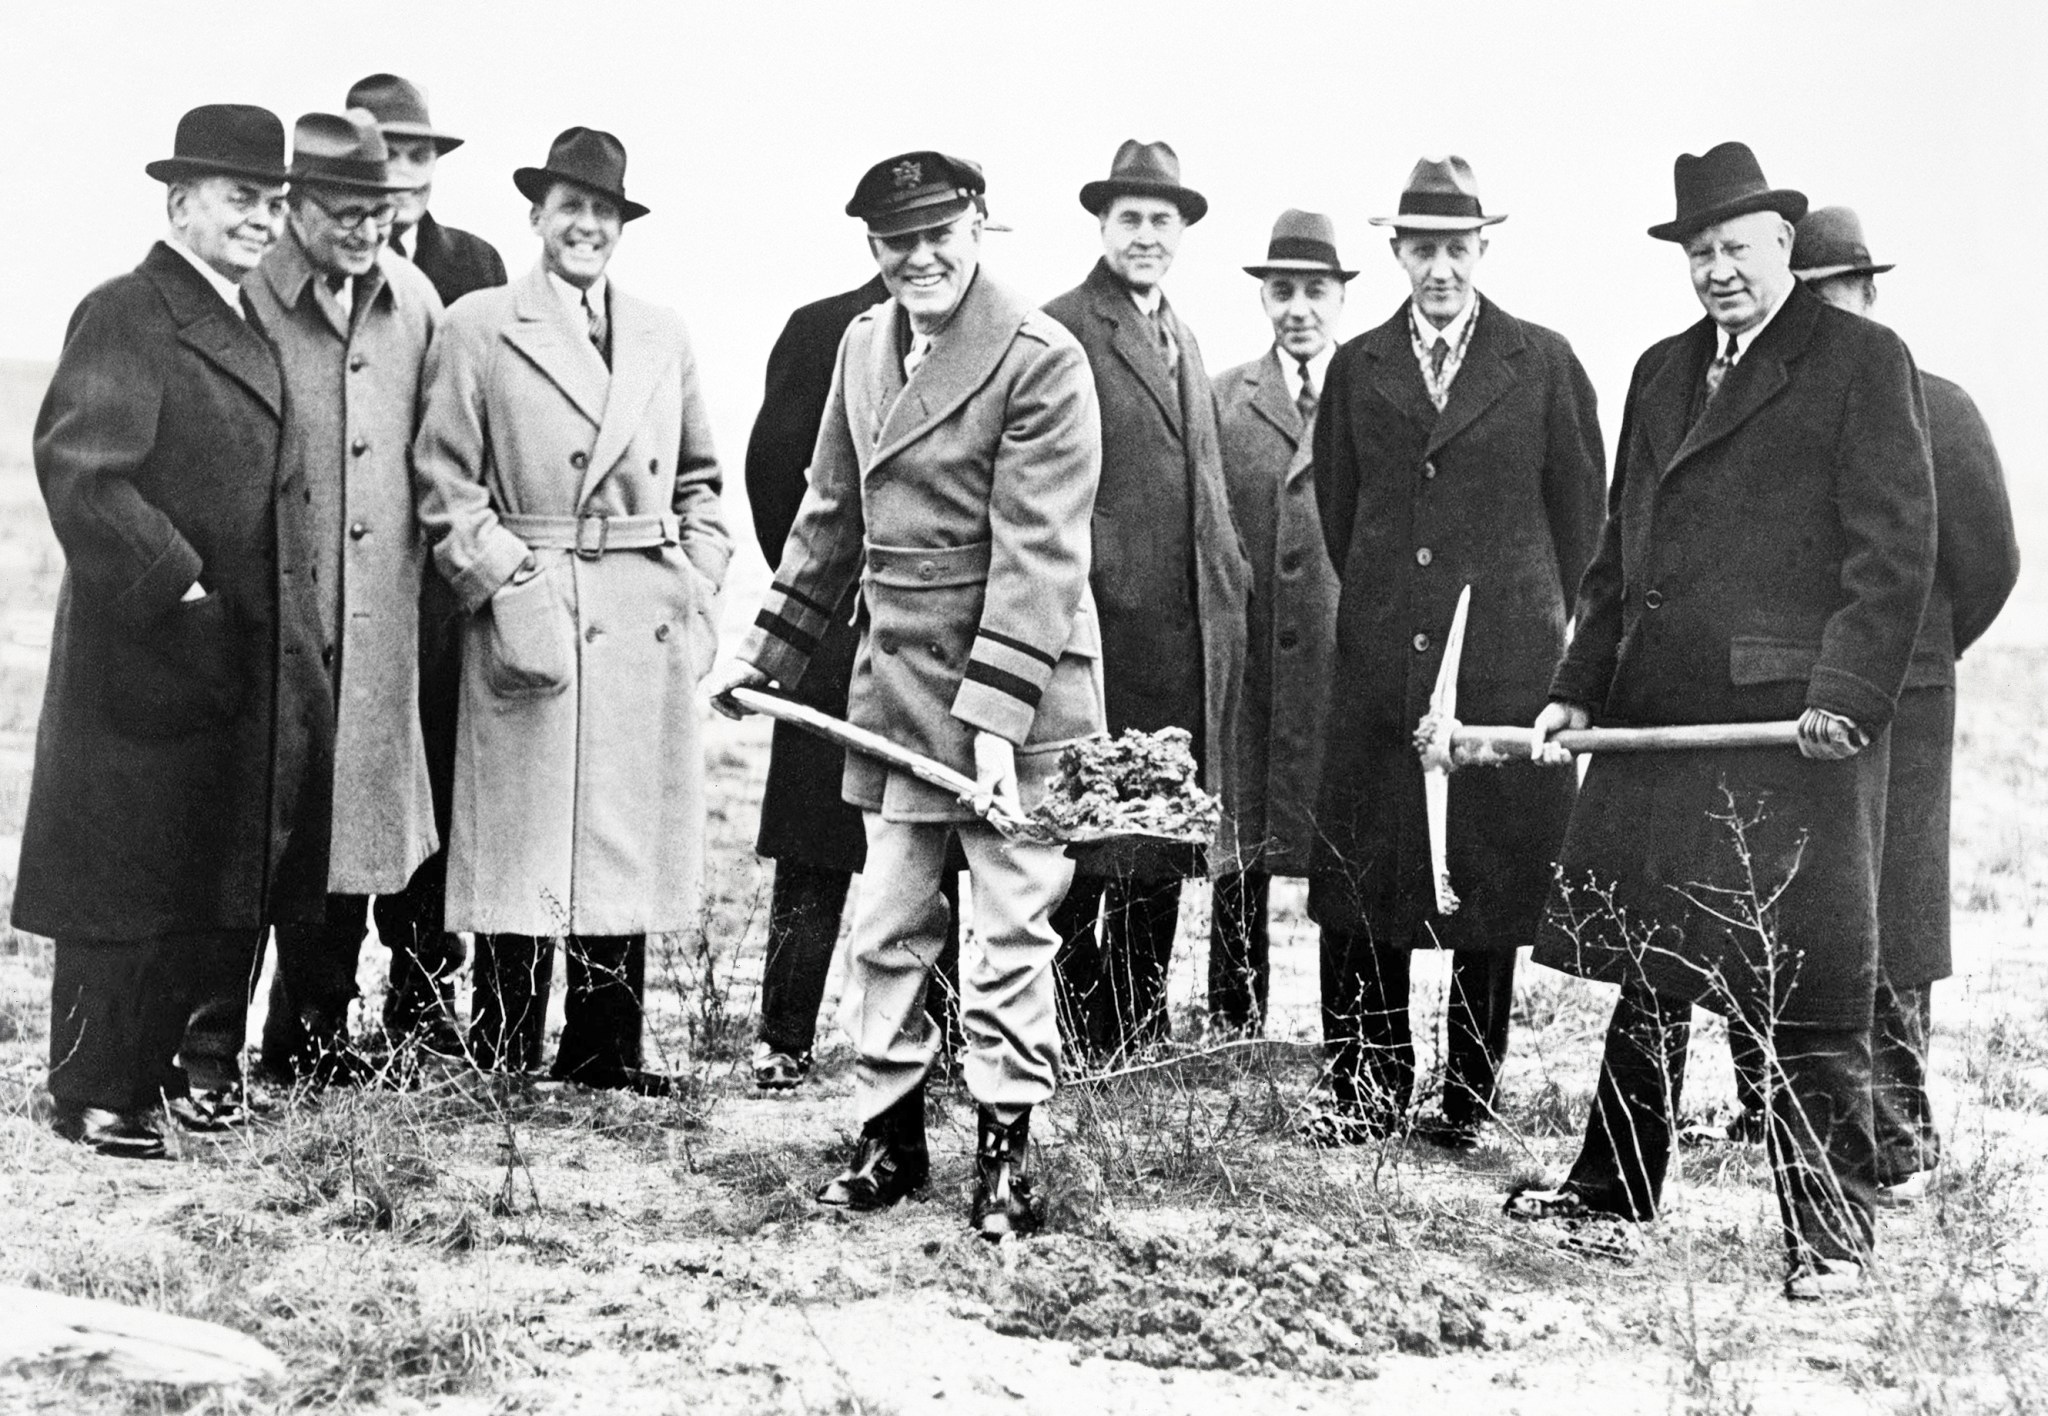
182,169
1284,267
1830,272
336,183
533,184
1783,200
1417,221
444,142
924,218
1096,196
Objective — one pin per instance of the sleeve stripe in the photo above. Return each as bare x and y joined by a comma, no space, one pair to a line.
797,639
1029,650
1023,690
802,599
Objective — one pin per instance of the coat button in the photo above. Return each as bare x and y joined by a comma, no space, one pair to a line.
926,570
1288,639
1429,470
1421,643
654,465
359,447
1290,563
358,531
579,459
888,644
327,655
355,363
1423,556
1652,599
936,650
661,631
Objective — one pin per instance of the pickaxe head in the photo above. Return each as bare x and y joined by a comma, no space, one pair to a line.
1433,738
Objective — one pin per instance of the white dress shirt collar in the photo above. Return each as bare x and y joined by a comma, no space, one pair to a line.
1318,368
1147,301
228,290
1429,334
1748,336
573,299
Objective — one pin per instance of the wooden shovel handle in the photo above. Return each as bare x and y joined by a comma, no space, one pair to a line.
1514,742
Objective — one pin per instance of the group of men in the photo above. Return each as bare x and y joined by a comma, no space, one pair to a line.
997,529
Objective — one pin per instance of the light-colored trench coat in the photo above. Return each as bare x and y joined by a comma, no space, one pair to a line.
579,802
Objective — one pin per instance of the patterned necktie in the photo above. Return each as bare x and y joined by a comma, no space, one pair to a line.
1161,331
1305,401
920,350
1438,353
1718,370
598,334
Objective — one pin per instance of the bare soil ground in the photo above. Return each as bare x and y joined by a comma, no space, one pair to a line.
466,1246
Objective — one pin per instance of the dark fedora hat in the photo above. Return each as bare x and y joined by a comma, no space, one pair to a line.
1302,242
401,109
588,158
915,191
235,139
1441,195
1725,182
1828,241
344,151
1145,170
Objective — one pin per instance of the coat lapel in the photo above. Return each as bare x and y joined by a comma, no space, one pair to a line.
1487,372
881,381
961,360
1131,339
1269,397
639,362
1392,371
1754,382
214,332
542,332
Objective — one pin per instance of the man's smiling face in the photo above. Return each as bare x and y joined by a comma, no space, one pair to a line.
578,230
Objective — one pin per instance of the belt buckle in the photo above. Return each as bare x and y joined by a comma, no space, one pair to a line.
584,550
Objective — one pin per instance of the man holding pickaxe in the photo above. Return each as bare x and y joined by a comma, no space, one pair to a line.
1768,553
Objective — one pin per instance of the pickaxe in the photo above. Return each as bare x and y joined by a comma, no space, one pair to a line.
1445,744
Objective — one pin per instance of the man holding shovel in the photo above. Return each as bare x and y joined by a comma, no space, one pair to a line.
1769,548
954,475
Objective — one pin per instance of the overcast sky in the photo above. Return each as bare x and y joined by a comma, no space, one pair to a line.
746,126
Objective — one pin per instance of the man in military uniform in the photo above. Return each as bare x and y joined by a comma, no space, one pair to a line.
954,474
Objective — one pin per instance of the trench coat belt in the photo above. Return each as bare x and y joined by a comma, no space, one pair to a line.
927,567
593,534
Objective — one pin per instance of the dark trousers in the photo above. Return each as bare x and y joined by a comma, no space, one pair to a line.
804,909
314,982
1112,983
1902,1118
602,1012
118,1011
1239,975
1819,1123
1368,1040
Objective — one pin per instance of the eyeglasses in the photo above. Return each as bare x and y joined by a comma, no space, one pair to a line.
349,218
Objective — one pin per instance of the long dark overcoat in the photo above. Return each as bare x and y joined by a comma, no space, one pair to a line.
1975,567
1500,491
1291,620
157,449
1170,577
803,816
456,262
1772,555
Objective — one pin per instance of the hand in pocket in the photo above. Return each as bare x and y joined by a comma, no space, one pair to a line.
530,647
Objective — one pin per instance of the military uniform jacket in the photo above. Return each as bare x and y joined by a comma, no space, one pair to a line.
1501,491
351,560
1772,554
960,501
157,452
1291,621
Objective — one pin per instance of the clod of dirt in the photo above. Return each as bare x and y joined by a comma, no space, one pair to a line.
1245,1296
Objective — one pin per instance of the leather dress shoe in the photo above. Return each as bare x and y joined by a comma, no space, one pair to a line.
122,1135
637,1080
211,1110
890,1161
776,1070
1003,1206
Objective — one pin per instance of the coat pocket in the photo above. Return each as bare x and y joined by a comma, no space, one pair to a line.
190,672
530,648
1755,659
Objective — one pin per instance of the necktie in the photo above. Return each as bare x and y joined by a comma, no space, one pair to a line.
1306,399
1438,353
343,291
1718,370
598,334
1161,331
920,350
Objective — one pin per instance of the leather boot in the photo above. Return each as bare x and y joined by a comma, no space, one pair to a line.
890,1161
1002,1189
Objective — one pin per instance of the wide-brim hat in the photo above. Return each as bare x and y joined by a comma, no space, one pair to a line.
1828,241
231,139
916,191
1723,183
1441,195
401,109
343,151
1303,243
587,157
1145,170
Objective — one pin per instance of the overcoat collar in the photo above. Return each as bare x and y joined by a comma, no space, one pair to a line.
1131,338
1757,379
213,331
1268,378
288,271
1488,372
961,361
